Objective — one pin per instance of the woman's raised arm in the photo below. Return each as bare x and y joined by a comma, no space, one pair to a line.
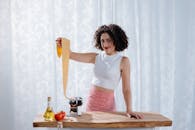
80,57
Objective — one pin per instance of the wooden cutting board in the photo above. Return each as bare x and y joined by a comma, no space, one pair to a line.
106,120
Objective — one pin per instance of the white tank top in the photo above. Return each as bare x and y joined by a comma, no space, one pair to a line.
107,70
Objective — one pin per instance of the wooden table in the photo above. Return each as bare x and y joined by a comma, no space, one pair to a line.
106,120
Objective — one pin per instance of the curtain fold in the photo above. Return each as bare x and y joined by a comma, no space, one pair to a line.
161,51
6,85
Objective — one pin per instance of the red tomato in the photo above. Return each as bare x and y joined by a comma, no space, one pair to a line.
60,116
63,113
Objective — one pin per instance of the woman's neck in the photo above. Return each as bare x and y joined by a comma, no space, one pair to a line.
112,53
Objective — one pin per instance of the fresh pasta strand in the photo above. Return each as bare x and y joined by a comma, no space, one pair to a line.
65,52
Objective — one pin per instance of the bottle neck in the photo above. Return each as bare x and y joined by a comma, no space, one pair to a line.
49,103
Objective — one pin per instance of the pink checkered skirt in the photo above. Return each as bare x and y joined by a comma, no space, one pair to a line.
100,100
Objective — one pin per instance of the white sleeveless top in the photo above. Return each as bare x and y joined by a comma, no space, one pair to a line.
107,70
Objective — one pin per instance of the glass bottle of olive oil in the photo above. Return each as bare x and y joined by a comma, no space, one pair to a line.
49,114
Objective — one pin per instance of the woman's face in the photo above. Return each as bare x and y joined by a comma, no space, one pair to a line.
107,44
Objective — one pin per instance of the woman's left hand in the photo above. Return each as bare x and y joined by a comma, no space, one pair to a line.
134,115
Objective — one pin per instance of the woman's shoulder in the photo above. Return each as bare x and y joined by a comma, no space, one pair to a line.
99,54
125,59
125,62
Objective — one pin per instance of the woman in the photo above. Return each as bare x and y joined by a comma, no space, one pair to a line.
109,68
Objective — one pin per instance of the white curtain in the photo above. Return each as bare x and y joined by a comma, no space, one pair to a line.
162,53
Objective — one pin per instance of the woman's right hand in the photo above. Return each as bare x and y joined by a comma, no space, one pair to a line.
59,46
59,42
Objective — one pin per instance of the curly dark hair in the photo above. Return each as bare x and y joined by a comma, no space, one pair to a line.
116,33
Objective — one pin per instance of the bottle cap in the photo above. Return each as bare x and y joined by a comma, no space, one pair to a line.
49,98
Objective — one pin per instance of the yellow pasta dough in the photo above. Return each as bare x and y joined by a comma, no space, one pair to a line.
65,52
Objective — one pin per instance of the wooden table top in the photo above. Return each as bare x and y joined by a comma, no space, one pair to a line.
106,120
